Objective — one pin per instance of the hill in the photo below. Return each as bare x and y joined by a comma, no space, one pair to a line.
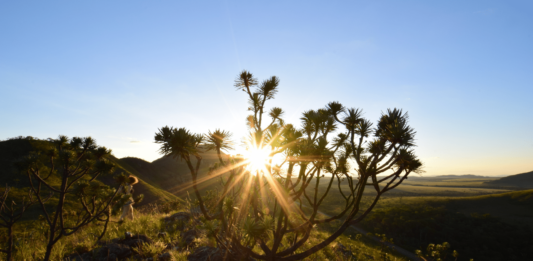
490,227
171,174
14,149
523,180
511,207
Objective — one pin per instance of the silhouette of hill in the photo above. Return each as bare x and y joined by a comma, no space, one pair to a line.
15,149
171,174
523,180
512,207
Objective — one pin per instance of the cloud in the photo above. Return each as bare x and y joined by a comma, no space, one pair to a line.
135,141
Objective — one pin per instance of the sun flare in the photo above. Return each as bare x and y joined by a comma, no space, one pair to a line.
258,158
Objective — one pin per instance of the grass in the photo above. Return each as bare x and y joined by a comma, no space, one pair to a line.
30,242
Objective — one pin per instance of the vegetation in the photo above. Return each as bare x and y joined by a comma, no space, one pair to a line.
11,213
477,227
261,202
439,252
77,163
15,149
30,242
482,237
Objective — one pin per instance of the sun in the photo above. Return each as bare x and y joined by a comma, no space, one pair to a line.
257,158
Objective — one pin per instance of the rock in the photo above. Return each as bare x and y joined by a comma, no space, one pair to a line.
136,240
83,257
181,218
343,250
105,242
112,252
189,236
185,216
164,257
206,253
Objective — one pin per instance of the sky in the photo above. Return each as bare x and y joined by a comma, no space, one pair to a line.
119,70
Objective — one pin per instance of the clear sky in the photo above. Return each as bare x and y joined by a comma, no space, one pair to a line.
119,70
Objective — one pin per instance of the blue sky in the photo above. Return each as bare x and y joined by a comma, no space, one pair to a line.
119,70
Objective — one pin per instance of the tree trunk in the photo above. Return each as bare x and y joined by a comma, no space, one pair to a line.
58,215
48,252
105,229
10,243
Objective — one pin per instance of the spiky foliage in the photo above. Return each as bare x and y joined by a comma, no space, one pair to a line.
218,140
179,143
280,203
64,169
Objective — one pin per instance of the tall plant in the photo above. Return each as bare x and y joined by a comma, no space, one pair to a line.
267,206
65,171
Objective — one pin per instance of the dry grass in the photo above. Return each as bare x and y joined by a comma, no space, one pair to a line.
31,241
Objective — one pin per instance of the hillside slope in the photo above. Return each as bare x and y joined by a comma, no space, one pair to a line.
171,174
523,180
490,227
13,150
512,207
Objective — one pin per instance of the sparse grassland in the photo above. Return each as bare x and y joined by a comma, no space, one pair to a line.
31,241
481,223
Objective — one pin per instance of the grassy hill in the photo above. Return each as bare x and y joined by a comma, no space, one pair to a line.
172,174
14,149
523,180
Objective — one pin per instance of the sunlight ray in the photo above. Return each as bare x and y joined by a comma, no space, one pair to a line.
212,175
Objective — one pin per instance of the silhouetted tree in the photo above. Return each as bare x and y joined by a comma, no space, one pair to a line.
264,205
67,170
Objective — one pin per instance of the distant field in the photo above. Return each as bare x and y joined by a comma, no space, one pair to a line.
460,195
435,188
449,182
429,190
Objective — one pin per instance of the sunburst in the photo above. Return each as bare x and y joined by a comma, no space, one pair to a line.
257,159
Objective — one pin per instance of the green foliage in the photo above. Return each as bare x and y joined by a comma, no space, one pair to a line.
180,143
386,246
439,252
254,230
14,150
77,162
482,237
